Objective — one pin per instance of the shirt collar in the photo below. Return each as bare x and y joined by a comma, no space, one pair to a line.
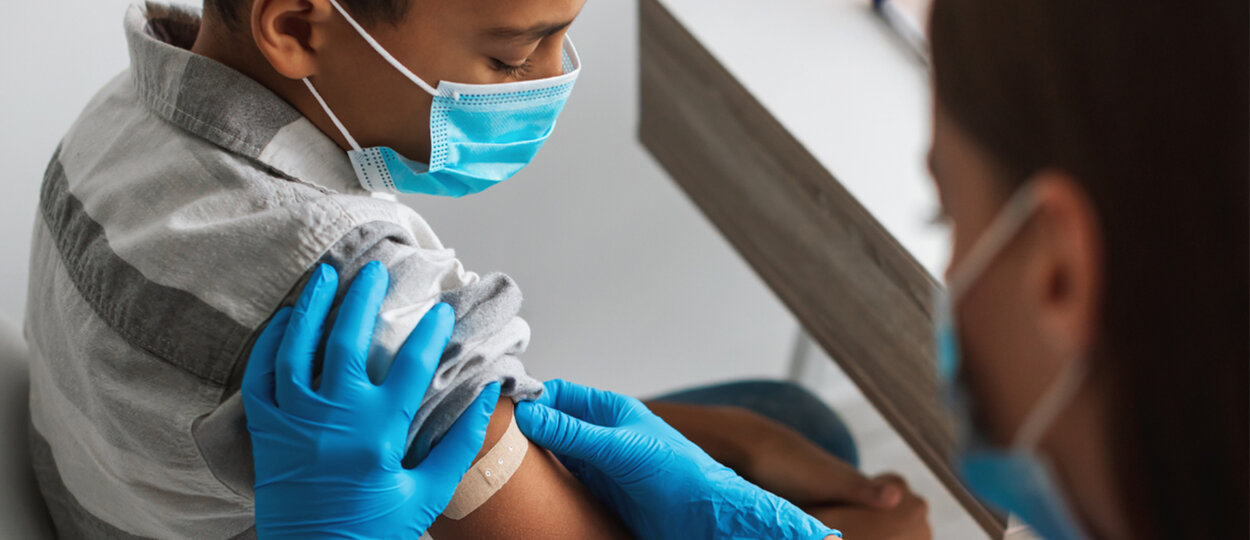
223,106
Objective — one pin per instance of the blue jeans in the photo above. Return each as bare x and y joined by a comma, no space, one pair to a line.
785,403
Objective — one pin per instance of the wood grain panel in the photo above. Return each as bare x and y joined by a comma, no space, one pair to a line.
857,292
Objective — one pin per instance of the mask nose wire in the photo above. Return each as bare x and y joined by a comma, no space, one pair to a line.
382,51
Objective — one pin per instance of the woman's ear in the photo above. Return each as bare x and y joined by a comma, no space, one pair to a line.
290,33
1066,278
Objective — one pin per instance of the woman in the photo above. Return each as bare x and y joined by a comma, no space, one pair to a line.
1092,160
1121,127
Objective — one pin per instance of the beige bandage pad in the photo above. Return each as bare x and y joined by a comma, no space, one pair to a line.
489,474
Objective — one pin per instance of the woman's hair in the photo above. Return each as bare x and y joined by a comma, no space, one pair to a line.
1145,105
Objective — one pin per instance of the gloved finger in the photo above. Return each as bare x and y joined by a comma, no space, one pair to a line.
418,359
294,364
348,346
592,405
258,379
447,462
565,435
599,484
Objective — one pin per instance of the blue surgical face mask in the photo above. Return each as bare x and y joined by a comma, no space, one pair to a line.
480,134
1017,479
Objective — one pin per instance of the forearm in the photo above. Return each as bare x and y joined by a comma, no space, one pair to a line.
732,436
541,500
770,454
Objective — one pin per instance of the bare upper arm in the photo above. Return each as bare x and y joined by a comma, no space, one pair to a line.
541,500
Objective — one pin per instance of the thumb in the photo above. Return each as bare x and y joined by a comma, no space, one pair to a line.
854,488
828,480
562,434
886,491
880,493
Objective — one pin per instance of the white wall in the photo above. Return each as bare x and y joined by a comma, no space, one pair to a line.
53,57
626,285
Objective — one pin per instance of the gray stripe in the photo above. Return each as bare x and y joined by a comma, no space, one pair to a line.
70,518
207,98
135,401
169,323
230,109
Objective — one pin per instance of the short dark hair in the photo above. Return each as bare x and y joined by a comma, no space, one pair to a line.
1144,103
367,12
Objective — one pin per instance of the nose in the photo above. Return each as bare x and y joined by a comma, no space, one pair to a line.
551,67
551,63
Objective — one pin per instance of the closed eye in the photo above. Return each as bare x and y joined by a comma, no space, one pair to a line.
514,71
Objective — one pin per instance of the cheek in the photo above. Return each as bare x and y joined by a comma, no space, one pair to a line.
996,356
371,91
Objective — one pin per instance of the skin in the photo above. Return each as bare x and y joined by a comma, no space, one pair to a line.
1032,314
567,509
280,42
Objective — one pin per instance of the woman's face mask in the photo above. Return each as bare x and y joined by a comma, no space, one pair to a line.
1016,479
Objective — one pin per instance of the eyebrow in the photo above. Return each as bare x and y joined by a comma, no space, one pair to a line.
533,33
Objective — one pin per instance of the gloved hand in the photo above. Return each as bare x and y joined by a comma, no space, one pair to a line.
328,460
657,481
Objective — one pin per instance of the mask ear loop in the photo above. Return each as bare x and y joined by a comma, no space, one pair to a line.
1053,401
1010,220
1059,394
338,124
1006,225
382,51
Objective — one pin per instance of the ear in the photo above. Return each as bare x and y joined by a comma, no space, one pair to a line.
290,33
1065,278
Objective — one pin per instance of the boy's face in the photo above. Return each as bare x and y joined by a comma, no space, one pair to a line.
464,41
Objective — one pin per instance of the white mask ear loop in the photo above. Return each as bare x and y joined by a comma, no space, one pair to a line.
385,55
1053,401
1014,215
1011,219
338,124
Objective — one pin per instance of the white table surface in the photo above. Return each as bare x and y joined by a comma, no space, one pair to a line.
847,88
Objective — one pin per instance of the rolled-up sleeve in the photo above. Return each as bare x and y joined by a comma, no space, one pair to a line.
489,336
485,347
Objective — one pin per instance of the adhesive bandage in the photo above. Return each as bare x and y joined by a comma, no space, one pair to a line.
489,474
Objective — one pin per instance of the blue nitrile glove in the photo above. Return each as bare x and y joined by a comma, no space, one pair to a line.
328,460
657,481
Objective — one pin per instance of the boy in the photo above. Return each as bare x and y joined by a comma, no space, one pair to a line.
187,202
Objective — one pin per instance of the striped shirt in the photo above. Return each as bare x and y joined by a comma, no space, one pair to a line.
183,208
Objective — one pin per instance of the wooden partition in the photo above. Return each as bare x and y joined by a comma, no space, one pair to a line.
855,290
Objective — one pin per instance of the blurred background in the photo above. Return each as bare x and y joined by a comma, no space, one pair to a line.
627,287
